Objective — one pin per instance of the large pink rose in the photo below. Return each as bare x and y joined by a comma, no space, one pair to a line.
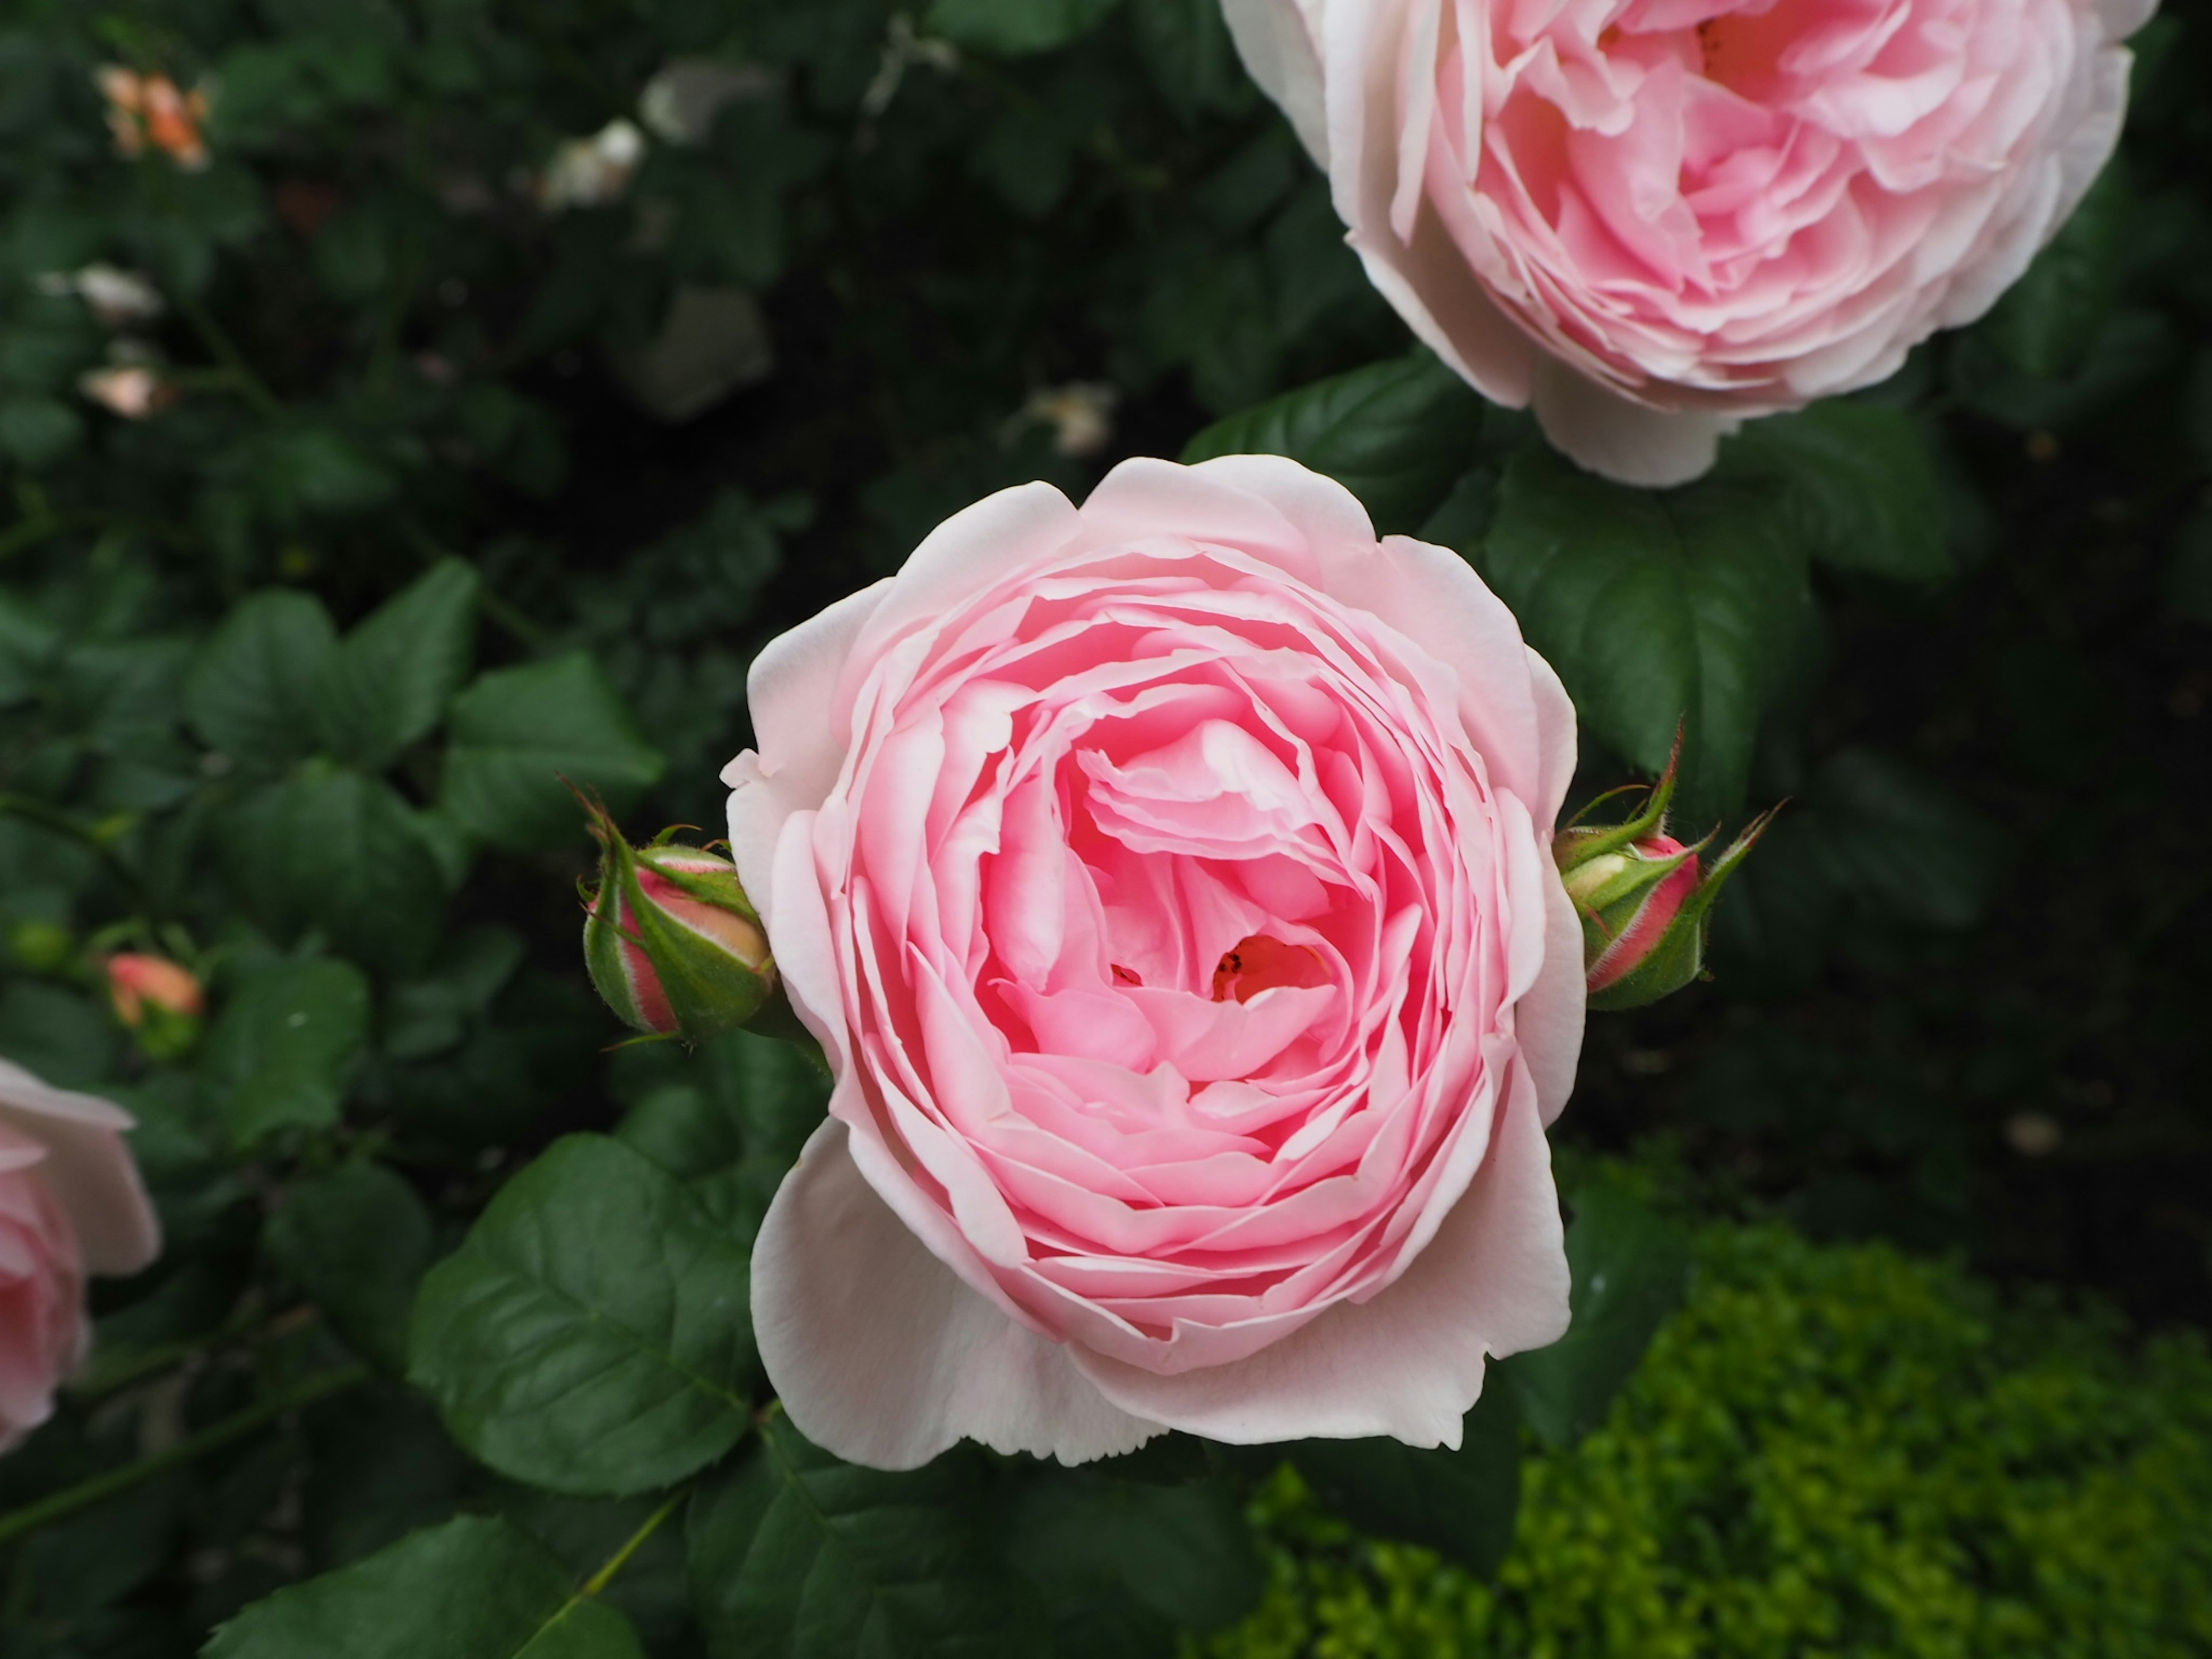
1651,218
1169,881
71,1203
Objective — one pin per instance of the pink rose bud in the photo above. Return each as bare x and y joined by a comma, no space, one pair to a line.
160,1001
1643,902
673,943
70,1204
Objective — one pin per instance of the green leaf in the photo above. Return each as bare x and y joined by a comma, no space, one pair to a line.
795,1555
2047,321
591,1336
1896,841
389,682
251,693
357,1240
1462,1504
332,849
279,1051
315,469
518,731
1182,1554
471,1589
1014,28
1187,47
430,1015
1862,491
733,1126
36,431
1397,434
586,1532
1631,1265
1657,609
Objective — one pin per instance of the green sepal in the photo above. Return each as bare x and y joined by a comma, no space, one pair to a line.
721,889
708,990
1638,874
1575,846
1679,955
603,936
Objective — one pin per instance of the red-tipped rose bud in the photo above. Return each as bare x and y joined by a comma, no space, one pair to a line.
160,1001
672,942
1643,900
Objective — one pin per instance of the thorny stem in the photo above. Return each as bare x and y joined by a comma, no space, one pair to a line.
67,1502
605,1576
250,1323
249,385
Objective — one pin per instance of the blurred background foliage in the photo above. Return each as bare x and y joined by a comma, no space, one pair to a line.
468,390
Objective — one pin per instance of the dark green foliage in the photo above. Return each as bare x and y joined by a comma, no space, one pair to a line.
1846,1451
1396,435
469,1589
1629,1263
1680,611
591,1336
466,487
798,1556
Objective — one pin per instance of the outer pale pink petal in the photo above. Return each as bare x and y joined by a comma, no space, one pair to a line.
970,553
2121,18
1493,1281
2091,145
1376,146
796,918
1433,597
88,1167
883,1356
1548,1019
1328,516
800,704
1625,442
1217,502
1277,41
1555,724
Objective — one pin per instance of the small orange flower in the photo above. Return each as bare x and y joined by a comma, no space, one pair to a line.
134,390
144,109
136,982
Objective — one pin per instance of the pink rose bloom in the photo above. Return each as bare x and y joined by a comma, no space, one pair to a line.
1651,218
71,1203
1168,882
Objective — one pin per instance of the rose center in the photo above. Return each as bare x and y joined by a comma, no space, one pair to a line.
1258,963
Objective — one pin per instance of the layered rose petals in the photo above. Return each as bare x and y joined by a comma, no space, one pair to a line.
1652,218
1169,882
71,1203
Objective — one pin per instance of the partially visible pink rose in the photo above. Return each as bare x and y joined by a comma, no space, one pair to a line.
70,1204
1170,883
1652,218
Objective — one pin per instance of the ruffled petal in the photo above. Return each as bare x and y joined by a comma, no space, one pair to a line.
1408,1363
88,1168
883,1356
1622,440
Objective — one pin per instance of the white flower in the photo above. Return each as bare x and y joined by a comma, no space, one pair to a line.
593,172
117,297
132,391
1080,413
679,104
133,383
